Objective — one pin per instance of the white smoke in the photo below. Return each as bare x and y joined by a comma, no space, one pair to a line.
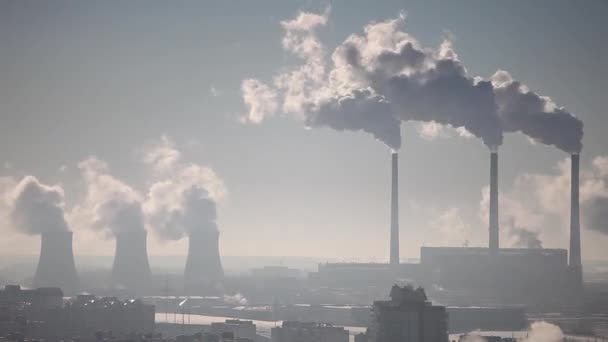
109,205
237,299
538,332
537,201
543,332
538,117
183,196
308,93
422,84
377,79
35,208
452,227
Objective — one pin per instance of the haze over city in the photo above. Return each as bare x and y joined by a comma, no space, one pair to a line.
303,171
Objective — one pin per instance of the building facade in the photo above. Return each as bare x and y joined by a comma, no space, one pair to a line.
408,317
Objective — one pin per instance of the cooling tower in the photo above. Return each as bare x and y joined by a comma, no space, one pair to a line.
575,228
394,257
56,267
131,269
493,219
203,273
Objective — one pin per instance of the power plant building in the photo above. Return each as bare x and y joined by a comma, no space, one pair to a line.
292,331
466,276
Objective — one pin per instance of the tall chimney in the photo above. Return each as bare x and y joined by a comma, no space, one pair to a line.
56,267
575,228
493,226
394,258
203,273
131,269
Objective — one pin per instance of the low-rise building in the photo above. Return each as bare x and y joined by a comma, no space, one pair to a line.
292,331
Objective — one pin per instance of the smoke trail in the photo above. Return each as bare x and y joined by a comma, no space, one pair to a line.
308,93
422,84
183,198
384,76
109,205
596,214
451,226
538,201
544,332
237,299
538,117
36,208
521,237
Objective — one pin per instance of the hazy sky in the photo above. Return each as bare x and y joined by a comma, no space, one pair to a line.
108,78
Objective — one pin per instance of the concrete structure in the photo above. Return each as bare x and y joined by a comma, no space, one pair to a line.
506,318
239,329
576,269
131,269
292,331
56,266
408,317
394,251
203,273
535,277
493,219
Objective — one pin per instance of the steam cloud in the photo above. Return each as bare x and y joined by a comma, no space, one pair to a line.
36,208
237,299
384,76
544,332
109,205
521,237
538,332
183,198
537,201
522,110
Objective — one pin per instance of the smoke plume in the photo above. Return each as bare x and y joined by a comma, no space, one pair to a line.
596,214
538,201
538,117
451,226
308,93
422,84
110,205
237,299
36,208
383,76
544,332
183,197
521,237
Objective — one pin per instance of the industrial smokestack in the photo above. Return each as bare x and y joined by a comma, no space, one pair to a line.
56,267
575,228
394,258
131,269
493,222
203,273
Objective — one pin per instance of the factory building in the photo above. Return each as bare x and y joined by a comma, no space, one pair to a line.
408,317
240,330
292,331
465,276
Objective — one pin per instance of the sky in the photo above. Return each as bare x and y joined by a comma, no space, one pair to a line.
114,79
